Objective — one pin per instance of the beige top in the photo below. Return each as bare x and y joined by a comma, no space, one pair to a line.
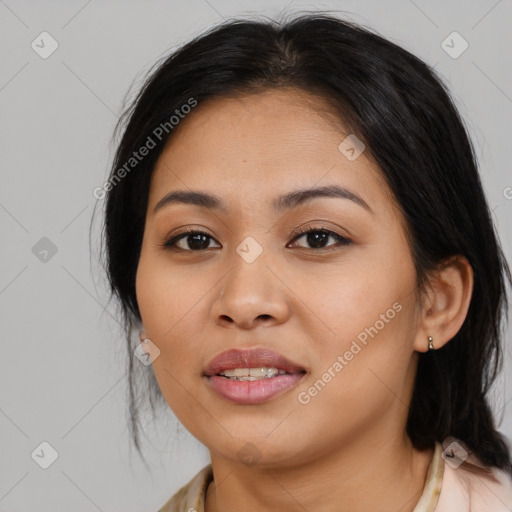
448,488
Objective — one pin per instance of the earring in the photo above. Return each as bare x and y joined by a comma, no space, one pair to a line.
431,343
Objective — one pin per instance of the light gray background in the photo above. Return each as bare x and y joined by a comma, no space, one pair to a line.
62,374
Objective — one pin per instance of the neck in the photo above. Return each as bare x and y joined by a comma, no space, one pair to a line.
364,474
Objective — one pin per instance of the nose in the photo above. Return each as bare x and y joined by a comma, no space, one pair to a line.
251,294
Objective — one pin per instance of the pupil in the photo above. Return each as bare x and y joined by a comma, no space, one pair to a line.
198,241
317,238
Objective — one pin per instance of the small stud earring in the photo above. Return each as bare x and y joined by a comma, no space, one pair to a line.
431,343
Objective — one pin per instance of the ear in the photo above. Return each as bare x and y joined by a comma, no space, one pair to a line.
445,304
142,335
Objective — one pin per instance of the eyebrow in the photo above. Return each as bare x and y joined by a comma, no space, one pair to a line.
285,202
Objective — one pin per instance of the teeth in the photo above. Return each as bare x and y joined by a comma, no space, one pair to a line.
249,374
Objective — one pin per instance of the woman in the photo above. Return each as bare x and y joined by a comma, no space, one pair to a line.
296,225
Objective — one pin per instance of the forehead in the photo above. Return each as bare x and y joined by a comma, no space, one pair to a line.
260,145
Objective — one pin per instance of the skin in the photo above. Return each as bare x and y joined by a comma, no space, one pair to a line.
347,448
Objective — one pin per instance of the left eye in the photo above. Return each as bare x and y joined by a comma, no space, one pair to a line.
317,238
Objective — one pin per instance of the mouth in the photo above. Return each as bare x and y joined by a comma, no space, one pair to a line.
252,376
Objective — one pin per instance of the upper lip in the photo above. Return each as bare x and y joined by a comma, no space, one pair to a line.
250,358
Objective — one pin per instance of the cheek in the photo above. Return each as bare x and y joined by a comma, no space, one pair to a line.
371,314
168,296
173,305
166,301
346,298
356,383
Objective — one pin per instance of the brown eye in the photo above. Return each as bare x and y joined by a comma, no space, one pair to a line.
318,238
194,241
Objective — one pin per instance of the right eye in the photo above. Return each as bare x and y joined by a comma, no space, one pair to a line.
194,241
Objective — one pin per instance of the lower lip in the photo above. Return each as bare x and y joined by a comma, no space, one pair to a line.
252,391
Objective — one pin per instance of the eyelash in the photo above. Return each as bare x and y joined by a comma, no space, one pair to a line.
342,241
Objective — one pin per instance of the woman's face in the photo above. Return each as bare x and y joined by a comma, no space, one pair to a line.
340,304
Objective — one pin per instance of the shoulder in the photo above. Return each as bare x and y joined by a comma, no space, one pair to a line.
191,496
470,486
